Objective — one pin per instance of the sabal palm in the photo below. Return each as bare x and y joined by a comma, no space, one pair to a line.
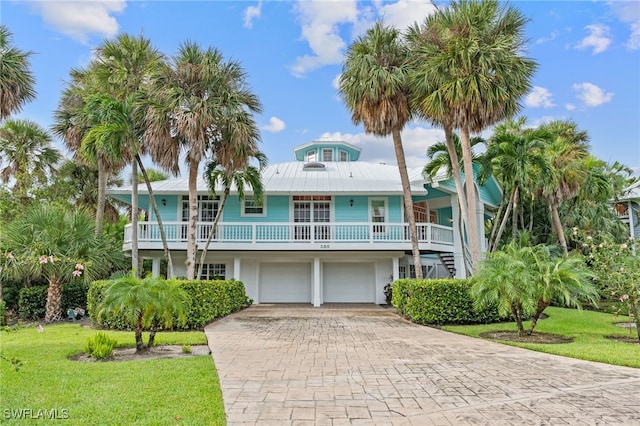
124,67
517,157
145,304
195,94
51,241
374,87
439,158
27,155
469,73
230,175
566,153
17,84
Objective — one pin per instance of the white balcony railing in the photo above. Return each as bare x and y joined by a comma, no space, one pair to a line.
283,233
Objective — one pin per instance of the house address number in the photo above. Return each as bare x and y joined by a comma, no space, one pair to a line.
325,246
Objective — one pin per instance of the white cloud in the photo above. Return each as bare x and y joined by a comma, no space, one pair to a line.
539,97
336,82
404,13
80,19
251,13
320,22
554,34
275,125
591,94
629,12
570,107
598,39
415,140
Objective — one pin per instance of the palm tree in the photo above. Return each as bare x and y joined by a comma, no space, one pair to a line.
517,157
124,68
27,154
374,87
249,176
566,154
469,73
16,79
146,304
59,245
195,94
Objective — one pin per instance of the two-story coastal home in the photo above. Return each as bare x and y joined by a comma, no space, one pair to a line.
330,229
628,209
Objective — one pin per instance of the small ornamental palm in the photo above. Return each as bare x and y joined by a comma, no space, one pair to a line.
147,304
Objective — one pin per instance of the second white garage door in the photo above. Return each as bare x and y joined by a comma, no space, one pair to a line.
349,283
285,283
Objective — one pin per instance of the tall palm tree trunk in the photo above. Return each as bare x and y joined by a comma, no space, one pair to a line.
408,202
457,178
514,217
503,223
135,262
472,222
154,206
53,310
557,224
497,219
193,220
102,191
212,231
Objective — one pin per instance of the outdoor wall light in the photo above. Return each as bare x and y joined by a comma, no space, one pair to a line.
164,202
351,202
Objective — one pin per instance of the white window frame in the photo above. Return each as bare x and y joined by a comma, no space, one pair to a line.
327,151
383,229
210,270
345,154
243,207
311,156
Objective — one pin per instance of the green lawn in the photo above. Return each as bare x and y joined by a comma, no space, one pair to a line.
589,330
150,392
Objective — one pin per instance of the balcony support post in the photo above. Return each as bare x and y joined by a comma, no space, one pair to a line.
316,282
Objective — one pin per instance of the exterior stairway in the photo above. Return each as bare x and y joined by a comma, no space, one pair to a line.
448,261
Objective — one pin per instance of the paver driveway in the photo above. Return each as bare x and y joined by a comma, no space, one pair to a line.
342,365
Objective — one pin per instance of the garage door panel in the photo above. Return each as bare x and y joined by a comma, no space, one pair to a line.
348,283
285,283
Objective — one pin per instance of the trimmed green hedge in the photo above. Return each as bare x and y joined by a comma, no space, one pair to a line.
439,301
207,300
32,301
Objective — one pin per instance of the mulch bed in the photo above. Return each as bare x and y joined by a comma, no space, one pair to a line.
156,352
512,336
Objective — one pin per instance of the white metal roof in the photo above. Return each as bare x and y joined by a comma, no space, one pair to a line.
288,178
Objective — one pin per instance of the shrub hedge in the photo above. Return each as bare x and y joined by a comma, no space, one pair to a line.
32,301
207,300
439,301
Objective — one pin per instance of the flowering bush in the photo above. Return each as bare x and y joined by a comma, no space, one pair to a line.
617,268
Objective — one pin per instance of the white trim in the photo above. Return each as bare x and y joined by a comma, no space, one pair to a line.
385,200
243,213
346,154
329,150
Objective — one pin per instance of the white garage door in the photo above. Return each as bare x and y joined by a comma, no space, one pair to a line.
349,283
285,283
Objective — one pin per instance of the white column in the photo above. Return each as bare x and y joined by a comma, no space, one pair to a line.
395,269
236,268
155,267
316,282
457,242
631,229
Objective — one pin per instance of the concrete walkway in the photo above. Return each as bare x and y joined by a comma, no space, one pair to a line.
346,365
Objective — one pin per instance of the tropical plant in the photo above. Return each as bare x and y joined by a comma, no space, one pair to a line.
59,245
374,87
27,155
566,154
195,95
247,177
469,72
16,79
523,281
147,304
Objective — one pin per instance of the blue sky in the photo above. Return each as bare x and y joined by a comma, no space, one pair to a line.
588,54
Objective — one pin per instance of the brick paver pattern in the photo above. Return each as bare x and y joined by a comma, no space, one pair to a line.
348,365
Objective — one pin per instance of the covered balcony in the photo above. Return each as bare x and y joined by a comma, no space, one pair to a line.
295,236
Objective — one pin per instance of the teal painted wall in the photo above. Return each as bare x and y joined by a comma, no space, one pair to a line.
344,212
444,215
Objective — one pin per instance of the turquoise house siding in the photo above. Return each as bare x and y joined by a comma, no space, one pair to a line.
344,212
444,215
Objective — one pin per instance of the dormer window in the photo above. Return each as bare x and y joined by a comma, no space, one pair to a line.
311,156
344,156
327,154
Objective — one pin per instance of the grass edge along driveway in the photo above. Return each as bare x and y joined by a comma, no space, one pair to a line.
589,329
146,392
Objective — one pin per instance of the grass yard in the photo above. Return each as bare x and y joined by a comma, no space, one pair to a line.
589,330
142,392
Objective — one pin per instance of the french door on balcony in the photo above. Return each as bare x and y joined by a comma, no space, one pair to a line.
207,211
312,211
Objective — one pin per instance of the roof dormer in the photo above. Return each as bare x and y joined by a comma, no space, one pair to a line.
326,151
